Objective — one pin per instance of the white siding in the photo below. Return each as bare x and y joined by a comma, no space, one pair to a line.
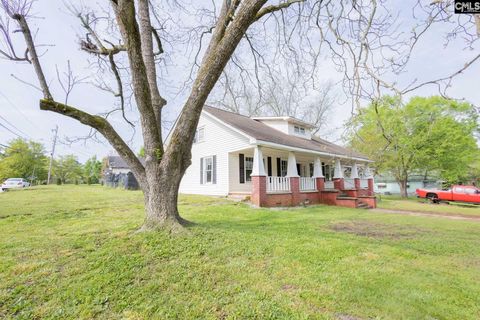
278,124
219,141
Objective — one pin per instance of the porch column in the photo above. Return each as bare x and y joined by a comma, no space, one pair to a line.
369,175
259,179
338,179
355,177
292,173
318,174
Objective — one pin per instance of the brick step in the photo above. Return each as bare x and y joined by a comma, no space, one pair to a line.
363,205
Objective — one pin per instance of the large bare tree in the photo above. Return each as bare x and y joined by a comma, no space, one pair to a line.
160,176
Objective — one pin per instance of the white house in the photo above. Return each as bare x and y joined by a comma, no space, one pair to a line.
270,158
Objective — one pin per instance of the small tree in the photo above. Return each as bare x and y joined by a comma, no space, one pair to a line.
92,170
426,134
67,169
22,159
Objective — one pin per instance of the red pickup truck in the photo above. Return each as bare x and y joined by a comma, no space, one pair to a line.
468,194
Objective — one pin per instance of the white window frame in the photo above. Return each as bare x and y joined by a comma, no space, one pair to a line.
248,177
199,138
204,172
299,130
283,173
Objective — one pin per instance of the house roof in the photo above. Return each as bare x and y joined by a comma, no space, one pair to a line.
116,162
262,132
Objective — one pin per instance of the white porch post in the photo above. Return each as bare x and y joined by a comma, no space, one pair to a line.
338,173
292,165
258,167
354,174
317,168
368,173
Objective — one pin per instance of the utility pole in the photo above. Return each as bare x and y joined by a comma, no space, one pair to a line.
52,153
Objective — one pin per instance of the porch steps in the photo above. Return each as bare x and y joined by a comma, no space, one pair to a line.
363,205
355,202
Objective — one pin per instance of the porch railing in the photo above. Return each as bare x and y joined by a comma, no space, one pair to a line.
308,184
278,184
329,185
364,183
349,183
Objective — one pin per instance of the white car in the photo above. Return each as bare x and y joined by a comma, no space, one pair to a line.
15,183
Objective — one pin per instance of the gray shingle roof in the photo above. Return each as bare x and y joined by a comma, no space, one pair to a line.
117,162
260,131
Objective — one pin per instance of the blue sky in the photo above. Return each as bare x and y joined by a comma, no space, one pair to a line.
58,31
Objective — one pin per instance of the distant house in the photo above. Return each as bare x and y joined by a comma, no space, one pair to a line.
275,161
116,165
117,174
386,184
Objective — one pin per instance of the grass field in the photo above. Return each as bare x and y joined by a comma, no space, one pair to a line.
71,252
422,205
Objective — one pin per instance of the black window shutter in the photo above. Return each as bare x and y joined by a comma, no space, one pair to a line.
279,167
242,167
214,173
201,170
269,166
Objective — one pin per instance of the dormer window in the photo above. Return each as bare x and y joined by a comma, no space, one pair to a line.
299,130
199,135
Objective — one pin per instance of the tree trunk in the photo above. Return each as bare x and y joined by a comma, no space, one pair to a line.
403,188
161,196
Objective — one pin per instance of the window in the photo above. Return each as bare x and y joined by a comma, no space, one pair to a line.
328,171
208,170
299,130
311,169
470,191
283,168
199,135
248,168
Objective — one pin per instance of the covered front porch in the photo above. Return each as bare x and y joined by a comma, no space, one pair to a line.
285,177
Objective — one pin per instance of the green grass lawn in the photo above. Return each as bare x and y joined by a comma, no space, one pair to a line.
422,205
71,252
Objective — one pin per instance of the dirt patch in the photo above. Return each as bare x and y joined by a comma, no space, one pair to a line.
341,316
429,214
288,287
377,230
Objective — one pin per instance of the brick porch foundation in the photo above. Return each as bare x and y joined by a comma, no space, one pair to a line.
351,198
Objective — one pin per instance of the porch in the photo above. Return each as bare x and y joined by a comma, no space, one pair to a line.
276,177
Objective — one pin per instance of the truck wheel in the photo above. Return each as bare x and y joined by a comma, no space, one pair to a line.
433,198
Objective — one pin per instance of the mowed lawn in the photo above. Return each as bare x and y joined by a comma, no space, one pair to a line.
422,205
72,252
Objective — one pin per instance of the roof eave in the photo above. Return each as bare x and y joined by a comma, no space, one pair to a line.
289,148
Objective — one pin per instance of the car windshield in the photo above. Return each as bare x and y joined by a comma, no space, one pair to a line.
14,179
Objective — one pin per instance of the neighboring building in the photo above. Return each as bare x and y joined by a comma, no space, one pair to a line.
386,184
116,165
118,174
275,161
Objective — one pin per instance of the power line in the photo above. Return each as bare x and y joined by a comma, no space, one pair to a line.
18,109
11,131
13,126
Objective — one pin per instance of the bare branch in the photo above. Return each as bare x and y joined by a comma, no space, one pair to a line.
273,8
102,126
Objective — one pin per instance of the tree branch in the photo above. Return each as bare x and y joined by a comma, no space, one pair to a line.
105,128
273,8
